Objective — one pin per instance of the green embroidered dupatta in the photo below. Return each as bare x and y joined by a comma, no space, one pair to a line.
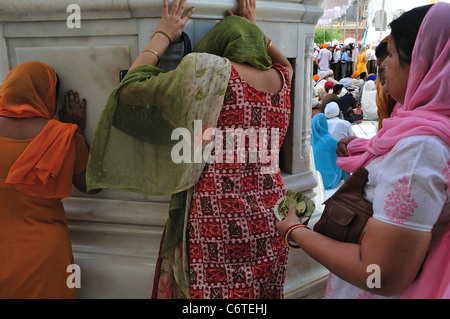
132,146
239,40
131,149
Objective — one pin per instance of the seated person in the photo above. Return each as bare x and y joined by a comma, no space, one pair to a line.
316,78
358,79
347,104
319,93
362,76
328,86
330,77
324,150
338,128
372,77
368,101
331,97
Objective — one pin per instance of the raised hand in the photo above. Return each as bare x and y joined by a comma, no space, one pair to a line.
73,111
247,9
172,21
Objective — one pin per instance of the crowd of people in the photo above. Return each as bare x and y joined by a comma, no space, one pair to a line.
343,80
352,68
222,239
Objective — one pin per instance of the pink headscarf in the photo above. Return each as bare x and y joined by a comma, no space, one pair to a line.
433,282
426,107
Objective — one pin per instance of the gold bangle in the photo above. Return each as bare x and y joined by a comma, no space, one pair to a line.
152,51
289,232
269,44
165,33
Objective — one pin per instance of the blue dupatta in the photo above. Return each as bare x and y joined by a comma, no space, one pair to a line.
324,148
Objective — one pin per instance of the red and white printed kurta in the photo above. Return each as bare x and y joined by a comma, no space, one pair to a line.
234,248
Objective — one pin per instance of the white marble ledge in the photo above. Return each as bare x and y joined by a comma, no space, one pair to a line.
58,28
116,211
40,10
102,240
301,182
47,10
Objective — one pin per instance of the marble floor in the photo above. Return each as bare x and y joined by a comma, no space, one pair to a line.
365,129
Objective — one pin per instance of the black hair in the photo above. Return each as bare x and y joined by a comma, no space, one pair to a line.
404,30
381,50
58,83
337,87
362,75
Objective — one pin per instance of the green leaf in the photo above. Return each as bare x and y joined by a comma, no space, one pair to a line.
303,204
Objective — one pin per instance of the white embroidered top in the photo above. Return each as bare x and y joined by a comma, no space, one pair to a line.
408,187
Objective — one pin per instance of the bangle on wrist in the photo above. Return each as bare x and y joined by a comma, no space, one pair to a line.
269,44
152,51
165,33
288,232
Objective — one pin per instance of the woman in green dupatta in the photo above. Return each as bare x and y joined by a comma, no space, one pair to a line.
133,146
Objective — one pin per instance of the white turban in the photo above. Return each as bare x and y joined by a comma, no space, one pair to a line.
331,110
346,82
369,86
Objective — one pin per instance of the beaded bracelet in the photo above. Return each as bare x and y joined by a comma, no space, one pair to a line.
288,232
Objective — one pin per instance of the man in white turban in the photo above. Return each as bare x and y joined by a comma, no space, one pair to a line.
338,128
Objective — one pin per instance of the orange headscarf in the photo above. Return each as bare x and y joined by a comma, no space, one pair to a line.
385,103
45,168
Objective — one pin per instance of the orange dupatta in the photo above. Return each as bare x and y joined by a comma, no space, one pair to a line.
385,105
45,168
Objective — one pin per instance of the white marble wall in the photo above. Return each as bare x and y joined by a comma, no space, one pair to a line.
115,235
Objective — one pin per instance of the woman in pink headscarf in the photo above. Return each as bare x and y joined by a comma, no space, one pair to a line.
409,176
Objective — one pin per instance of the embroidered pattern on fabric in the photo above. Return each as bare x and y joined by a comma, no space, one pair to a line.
366,295
446,173
399,205
235,250
329,289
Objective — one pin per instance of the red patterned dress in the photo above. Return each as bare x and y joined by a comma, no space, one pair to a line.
234,249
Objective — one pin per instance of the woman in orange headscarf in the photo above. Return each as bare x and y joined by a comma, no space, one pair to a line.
40,159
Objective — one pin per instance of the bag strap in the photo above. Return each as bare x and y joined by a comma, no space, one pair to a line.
355,182
187,46
362,174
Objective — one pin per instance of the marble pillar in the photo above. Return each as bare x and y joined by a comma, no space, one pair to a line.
116,235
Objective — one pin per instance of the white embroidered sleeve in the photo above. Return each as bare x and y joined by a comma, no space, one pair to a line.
409,185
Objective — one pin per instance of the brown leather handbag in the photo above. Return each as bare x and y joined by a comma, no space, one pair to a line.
346,212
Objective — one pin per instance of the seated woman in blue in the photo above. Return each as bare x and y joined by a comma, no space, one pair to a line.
324,148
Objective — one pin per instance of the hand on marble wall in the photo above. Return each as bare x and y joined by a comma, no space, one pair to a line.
247,9
73,110
172,21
